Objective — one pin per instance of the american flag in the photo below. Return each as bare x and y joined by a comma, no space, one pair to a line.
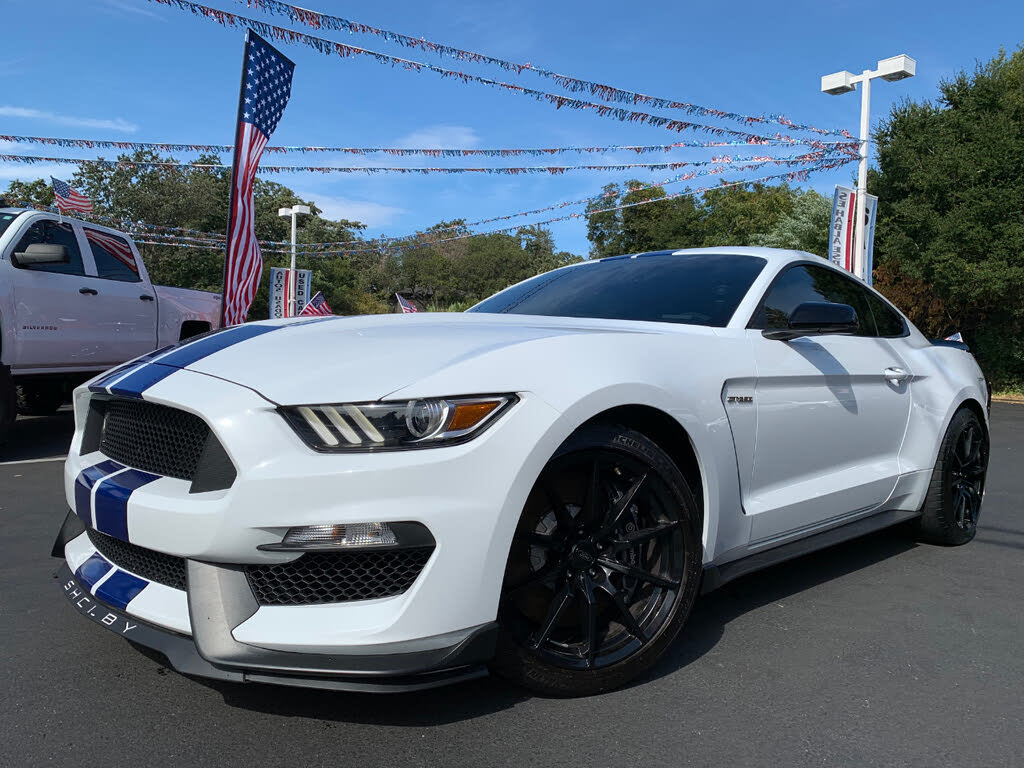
116,246
317,306
406,305
69,201
265,91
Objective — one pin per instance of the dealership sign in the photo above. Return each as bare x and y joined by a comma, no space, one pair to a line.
841,233
280,284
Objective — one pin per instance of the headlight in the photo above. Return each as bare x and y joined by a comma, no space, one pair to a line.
395,425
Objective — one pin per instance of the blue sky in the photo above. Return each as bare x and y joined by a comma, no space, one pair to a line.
135,70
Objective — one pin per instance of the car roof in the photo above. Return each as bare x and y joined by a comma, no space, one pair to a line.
775,256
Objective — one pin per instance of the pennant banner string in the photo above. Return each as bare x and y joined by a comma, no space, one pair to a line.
273,169
800,175
331,47
639,149
822,159
213,237
318,21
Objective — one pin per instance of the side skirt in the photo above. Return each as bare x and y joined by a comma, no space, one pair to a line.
717,575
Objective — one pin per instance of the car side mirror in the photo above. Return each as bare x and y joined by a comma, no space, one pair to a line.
816,318
43,253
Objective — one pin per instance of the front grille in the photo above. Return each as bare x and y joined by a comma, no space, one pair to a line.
337,577
154,566
159,439
153,438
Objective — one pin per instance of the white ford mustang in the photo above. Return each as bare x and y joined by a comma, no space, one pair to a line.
541,485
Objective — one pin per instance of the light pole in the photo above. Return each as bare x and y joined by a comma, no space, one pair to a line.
294,211
892,69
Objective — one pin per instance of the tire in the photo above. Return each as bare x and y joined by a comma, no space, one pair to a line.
604,567
40,398
8,404
951,509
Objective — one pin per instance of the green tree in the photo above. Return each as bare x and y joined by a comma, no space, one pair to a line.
804,228
36,194
950,182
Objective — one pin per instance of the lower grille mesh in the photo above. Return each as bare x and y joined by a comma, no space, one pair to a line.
154,566
337,577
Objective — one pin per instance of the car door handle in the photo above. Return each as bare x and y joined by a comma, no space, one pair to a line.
89,291
146,297
896,375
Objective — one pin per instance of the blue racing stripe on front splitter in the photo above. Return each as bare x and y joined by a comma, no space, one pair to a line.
92,570
86,479
120,589
112,501
137,382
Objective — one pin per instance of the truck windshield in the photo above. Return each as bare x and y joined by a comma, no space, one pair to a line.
6,219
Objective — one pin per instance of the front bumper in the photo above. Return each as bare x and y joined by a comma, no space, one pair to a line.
219,600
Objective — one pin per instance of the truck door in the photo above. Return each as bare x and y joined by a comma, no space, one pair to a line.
125,312
52,302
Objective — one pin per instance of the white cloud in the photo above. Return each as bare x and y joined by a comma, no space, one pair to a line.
369,213
117,124
12,171
130,8
440,137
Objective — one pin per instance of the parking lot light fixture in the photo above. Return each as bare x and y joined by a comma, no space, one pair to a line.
892,69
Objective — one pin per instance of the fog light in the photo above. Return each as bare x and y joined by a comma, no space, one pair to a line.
344,535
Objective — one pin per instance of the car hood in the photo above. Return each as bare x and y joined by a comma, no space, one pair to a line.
353,359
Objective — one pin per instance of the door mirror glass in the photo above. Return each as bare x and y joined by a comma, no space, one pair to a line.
43,253
817,318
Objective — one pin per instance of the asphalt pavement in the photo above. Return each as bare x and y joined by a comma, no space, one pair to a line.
876,652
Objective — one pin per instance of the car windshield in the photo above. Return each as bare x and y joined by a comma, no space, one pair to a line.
692,288
6,219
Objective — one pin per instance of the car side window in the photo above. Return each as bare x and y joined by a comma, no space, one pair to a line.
49,232
113,256
806,282
889,322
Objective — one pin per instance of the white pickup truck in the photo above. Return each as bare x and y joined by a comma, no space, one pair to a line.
75,299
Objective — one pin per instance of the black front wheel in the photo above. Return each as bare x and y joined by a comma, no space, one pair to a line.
603,569
953,505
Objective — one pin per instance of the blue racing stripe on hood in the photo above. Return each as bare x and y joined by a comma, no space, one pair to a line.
138,381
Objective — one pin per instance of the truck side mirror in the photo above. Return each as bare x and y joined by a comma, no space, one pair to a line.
43,253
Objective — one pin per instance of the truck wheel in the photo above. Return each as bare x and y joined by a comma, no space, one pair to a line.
40,398
8,405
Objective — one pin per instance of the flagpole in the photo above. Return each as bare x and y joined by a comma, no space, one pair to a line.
231,188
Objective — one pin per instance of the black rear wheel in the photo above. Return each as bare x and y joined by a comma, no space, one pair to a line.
953,505
604,566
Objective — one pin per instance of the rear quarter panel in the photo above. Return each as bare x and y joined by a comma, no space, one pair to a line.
178,305
944,379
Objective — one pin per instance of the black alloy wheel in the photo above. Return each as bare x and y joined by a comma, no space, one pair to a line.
953,505
604,566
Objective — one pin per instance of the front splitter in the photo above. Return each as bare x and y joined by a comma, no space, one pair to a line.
182,655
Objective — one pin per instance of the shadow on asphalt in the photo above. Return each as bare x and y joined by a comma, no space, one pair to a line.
714,611
40,437
470,700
